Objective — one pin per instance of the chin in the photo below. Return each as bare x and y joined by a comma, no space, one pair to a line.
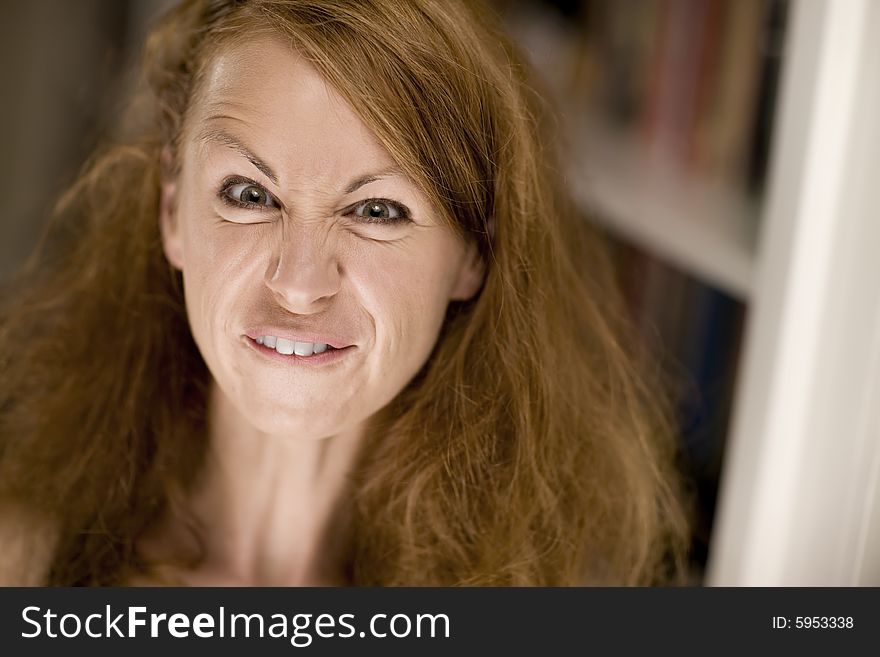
299,423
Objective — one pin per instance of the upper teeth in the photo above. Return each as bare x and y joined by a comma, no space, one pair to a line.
288,347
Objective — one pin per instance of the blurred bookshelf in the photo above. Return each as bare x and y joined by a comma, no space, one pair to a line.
650,203
667,109
729,149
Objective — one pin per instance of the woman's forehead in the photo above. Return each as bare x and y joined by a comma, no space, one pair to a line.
264,94
264,79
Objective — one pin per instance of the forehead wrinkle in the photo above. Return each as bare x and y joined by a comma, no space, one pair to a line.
217,135
206,108
339,113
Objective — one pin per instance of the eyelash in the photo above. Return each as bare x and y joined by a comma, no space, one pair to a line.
231,182
402,211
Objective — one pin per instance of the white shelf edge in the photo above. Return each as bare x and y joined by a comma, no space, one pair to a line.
705,227
797,504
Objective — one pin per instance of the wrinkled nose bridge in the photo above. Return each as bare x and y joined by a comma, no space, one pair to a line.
304,266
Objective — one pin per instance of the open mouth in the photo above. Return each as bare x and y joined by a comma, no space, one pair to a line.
292,350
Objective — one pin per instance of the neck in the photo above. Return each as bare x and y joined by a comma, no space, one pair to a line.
271,505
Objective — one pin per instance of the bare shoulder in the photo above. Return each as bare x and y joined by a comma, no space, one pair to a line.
26,543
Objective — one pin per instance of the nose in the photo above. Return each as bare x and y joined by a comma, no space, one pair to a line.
304,273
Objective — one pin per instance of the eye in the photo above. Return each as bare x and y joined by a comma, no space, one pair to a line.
247,194
381,211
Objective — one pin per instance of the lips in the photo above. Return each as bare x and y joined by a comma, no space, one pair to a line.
300,345
287,357
270,336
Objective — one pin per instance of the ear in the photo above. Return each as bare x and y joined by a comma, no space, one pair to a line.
169,226
470,276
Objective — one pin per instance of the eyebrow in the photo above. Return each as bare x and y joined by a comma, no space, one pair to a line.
224,138
221,137
357,183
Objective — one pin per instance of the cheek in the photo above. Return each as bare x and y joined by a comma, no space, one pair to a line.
219,260
211,245
406,291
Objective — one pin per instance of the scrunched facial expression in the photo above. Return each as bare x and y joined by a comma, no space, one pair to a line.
316,274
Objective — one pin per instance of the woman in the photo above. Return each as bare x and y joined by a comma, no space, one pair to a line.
327,316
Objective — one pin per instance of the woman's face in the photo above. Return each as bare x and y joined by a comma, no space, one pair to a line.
294,229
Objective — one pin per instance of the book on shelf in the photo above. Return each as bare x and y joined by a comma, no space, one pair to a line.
721,134
695,332
693,80
772,39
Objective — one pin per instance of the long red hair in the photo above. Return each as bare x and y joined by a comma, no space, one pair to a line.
535,448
